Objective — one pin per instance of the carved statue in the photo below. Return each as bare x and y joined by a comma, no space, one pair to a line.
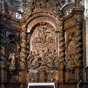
56,59
35,63
29,58
42,60
50,59
12,61
32,60
70,61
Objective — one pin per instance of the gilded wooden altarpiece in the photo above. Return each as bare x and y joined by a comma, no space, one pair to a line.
50,47
43,52
54,42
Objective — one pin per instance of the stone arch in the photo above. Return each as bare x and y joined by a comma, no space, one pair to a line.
40,23
43,17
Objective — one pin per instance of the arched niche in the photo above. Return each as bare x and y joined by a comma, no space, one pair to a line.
43,39
43,17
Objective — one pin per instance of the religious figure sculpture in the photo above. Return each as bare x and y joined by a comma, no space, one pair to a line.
32,60
12,61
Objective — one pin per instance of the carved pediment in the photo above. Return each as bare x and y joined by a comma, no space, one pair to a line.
57,8
36,6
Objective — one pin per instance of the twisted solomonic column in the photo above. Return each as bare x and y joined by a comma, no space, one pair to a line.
2,59
79,43
61,47
79,47
22,61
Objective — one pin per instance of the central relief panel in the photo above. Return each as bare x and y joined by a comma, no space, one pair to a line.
43,51
43,61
